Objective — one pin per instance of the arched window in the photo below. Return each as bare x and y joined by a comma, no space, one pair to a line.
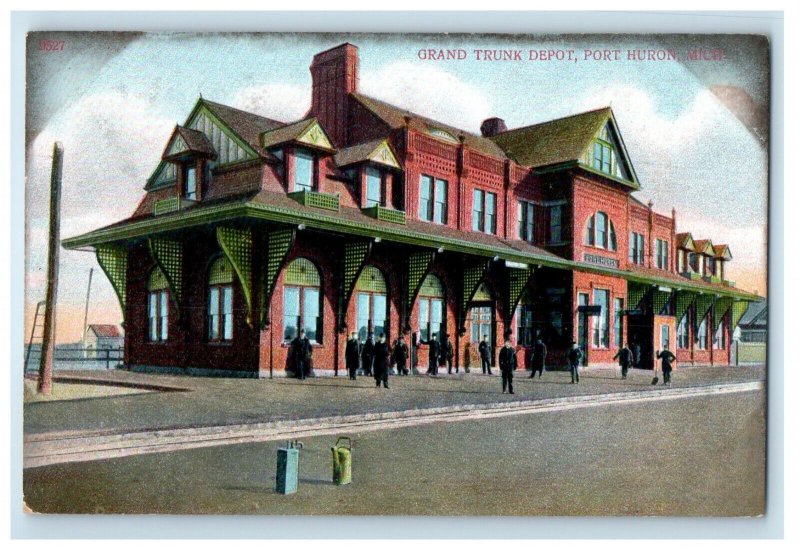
157,306
430,308
600,232
219,309
371,305
301,300
702,334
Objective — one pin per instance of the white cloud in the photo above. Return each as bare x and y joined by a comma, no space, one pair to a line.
281,102
429,91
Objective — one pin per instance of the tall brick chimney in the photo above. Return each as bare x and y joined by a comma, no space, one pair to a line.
334,75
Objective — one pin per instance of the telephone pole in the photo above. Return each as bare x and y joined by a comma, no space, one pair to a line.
86,311
45,383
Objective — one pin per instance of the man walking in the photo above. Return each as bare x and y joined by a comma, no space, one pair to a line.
667,358
625,356
538,357
508,364
380,365
485,351
575,357
400,355
434,348
301,354
351,355
447,354
368,355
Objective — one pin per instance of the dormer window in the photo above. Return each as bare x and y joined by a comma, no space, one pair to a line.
374,187
190,182
303,171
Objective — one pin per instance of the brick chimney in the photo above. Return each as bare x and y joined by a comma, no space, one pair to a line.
493,126
334,75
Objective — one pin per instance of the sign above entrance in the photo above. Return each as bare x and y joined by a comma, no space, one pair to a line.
590,310
600,260
516,265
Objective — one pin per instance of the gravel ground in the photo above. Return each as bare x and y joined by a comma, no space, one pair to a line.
699,456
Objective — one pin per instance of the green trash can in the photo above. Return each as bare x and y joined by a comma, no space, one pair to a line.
342,453
288,467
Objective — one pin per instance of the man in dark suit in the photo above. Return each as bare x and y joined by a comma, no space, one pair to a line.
625,356
508,364
667,358
485,351
400,355
301,354
367,355
538,357
575,357
447,354
434,349
351,355
380,363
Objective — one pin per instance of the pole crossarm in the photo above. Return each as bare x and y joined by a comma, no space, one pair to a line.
113,260
356,254
168,255
418,266
278,245
237,245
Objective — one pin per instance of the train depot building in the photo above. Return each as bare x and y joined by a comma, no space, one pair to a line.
364,216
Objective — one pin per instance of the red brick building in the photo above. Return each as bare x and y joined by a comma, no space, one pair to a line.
363,216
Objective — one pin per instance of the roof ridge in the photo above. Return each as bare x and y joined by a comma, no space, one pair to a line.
535,124
417,115
216,103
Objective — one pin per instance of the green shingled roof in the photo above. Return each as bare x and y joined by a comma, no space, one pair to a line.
394,117
553,142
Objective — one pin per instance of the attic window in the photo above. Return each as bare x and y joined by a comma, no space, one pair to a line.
441,134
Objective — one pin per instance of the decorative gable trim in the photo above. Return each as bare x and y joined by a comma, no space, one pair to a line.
315,136
610,134
383,155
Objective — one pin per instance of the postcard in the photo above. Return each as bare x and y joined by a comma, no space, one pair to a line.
396,274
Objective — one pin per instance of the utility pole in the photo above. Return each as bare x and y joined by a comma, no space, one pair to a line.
86,311
45,383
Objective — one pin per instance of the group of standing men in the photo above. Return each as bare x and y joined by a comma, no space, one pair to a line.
376,358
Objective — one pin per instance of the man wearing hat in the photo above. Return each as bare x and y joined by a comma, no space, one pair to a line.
351,355
368,355
301,354
380,364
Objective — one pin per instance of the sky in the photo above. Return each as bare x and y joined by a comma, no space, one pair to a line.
695,130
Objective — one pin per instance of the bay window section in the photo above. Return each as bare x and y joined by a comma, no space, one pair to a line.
554,230
525,220
636,248
661,254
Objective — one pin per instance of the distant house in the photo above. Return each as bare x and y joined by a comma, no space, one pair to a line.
99,337
753,324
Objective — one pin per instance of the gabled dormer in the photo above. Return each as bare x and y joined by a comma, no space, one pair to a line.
607,154
704,257
372,168
684,245
300,146
190,152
